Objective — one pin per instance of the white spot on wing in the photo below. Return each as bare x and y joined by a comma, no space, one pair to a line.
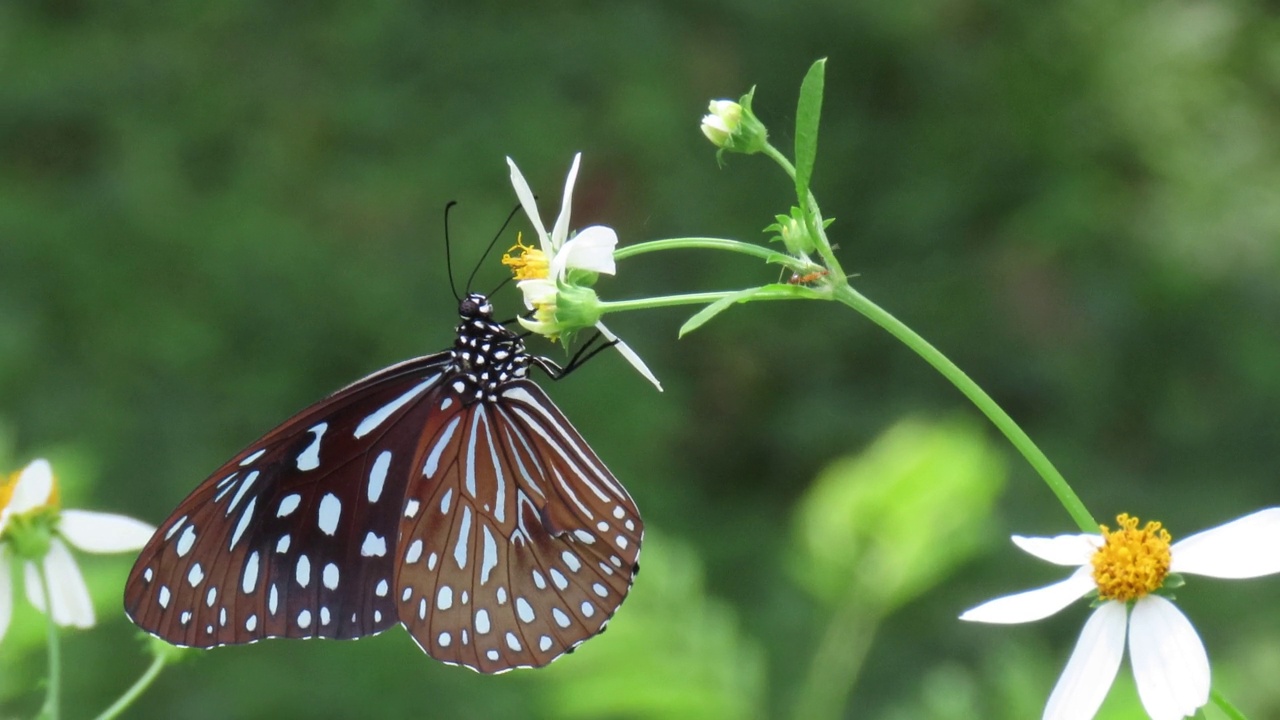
599,589
373,546
482,621
444,639
330,511
380,415
211,597
524,610
309,459
544,643
186,540
273,599
513,642
381,590
446,501
588,609
282,545
175,527
251,623
378,476
414,553
411,508
562,619
444,599
196,575
464,539
288,504
249,460
243,525
559,579
164,596
330,577
244,488
433,458
571,560
490,555
250,580
304,619
303,573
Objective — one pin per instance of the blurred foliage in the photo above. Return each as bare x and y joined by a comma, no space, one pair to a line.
213,214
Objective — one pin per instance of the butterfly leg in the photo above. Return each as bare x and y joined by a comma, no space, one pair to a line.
589,350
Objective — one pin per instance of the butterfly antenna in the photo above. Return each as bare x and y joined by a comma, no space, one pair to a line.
493,242
448,253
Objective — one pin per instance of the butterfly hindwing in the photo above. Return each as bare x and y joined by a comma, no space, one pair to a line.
506,564
296,535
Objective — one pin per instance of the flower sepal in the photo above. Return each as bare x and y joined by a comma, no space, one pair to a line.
30,534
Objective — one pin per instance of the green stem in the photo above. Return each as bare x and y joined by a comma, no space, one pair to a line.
837,662
763,253
812,218
1225,705
978,397
50,710
787,292
136,689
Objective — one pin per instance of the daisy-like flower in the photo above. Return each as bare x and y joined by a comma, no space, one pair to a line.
1125,568
543,273
33,529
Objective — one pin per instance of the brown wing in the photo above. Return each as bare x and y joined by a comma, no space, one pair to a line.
518,544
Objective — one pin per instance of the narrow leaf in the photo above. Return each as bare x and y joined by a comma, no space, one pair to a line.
778,291
807,115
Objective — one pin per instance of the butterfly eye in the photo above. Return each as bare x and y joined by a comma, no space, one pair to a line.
461,505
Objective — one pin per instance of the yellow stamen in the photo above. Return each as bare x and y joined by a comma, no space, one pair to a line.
6,490
1132,562
530,264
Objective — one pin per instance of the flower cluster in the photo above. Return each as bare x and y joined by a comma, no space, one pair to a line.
555,278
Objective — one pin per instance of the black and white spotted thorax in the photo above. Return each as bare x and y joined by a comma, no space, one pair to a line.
486,355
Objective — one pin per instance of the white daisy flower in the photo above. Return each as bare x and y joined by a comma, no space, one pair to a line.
542,272
1125,568
33,530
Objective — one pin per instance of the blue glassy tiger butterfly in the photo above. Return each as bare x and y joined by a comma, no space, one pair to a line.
446,493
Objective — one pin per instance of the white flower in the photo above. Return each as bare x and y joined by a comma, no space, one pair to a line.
28,512
1170,665
540,271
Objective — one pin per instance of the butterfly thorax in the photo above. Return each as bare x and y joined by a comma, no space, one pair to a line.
486,355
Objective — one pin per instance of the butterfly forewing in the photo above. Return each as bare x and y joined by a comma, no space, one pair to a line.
295,536
518,548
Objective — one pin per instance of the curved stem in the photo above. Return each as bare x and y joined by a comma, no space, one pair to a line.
50,710
978,397
136,689
745,248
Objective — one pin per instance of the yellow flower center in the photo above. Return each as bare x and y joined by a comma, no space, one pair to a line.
1131,563
6,490
529,264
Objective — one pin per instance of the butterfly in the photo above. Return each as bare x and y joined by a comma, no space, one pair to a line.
446,493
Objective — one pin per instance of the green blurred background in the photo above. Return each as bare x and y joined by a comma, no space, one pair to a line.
212,214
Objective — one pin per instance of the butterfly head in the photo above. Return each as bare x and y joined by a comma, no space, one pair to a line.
486,354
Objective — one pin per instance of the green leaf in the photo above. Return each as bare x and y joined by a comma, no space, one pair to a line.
719,306
886,525
807,115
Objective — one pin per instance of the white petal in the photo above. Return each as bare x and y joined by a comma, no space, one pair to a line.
530,206
69,598
630,355
591,249
33,488
1169,662
101,532
6,591
1092,667
1073,550
1243,548
537,291
1034,604
561,229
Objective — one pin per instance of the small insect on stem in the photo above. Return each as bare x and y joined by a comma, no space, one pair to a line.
807,278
